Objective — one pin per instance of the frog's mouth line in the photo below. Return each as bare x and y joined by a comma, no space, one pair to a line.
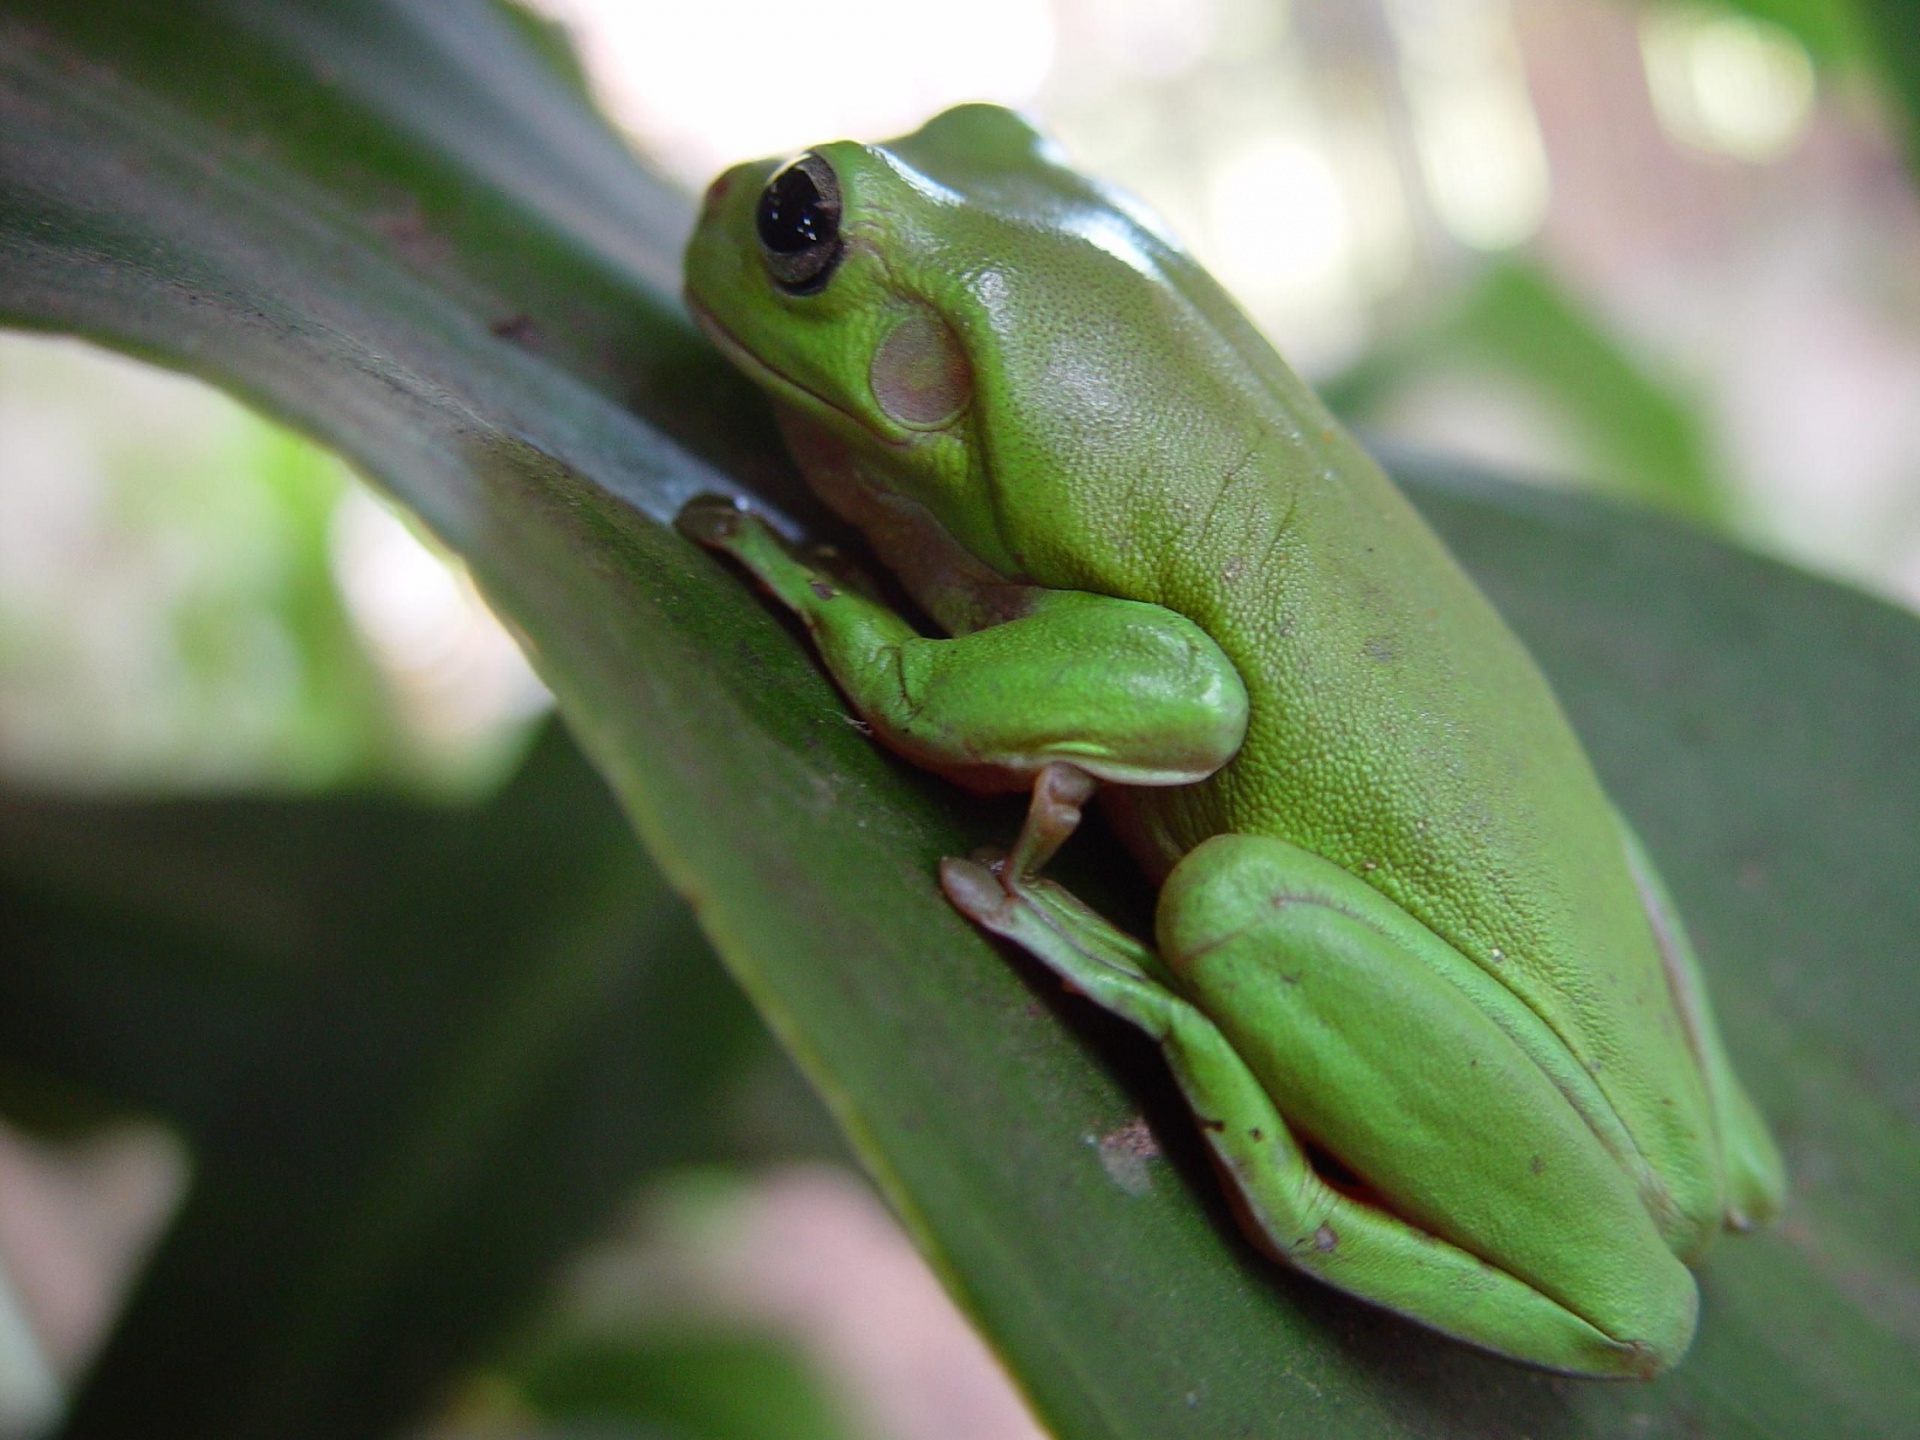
755,367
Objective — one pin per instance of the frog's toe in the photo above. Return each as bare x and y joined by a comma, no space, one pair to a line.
990,858
976,892
711,520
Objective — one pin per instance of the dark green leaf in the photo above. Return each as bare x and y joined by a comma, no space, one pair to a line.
1893,31
1830,29
692,1387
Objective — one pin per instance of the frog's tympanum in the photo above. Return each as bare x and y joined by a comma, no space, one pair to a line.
1439,1022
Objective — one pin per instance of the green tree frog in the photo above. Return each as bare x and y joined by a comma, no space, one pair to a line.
1439,1022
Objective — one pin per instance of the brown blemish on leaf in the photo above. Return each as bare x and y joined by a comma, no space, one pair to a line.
1124,1153
517,327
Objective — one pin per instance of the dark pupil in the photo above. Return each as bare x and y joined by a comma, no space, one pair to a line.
792,217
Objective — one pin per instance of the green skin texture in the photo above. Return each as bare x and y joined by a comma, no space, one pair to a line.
1399,922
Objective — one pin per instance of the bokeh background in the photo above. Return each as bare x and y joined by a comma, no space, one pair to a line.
1664,252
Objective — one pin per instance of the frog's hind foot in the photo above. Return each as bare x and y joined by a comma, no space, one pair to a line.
1087,951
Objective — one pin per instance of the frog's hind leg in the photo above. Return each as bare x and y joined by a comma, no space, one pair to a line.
1239,917
1756,1178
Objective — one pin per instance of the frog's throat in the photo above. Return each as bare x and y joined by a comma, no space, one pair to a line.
781,384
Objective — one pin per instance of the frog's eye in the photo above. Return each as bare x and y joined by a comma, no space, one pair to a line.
799,224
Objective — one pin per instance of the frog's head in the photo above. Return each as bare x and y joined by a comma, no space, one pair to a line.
961,310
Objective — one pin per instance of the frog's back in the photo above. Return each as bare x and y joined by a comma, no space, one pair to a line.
1147,442
1400,729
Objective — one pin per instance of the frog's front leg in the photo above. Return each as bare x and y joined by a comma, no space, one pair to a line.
1305,1014
1079,688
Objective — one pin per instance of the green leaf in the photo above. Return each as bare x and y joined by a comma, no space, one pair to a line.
716,1386
500,355
1893,29
1830,29
1880,36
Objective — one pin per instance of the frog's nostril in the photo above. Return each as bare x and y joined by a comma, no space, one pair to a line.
717,191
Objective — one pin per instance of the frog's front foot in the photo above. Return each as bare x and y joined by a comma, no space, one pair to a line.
990,887
1060,792
721,524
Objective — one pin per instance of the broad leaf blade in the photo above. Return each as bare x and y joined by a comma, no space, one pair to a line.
1759,726
140,209
1891,29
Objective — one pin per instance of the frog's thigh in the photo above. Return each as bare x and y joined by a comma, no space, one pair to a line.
1488,1207
1756,1178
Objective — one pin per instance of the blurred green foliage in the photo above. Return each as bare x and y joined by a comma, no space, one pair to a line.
1643,441
1878,37
717,1386
171,615
1831,30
